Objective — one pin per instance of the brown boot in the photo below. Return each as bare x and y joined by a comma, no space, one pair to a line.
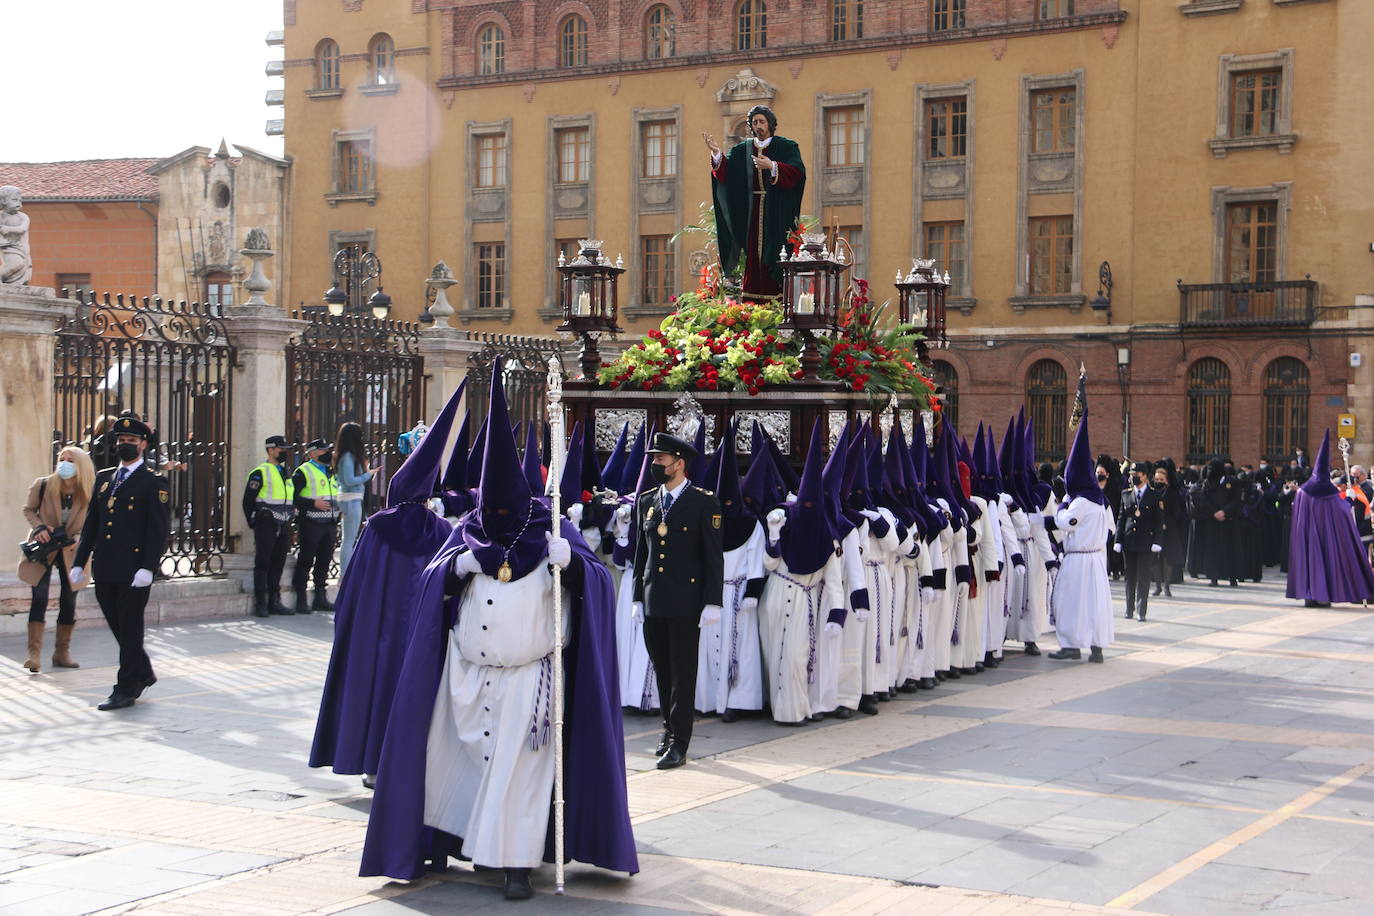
62,655
35,647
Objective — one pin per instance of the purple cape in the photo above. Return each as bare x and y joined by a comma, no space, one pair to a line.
1326,560
597,827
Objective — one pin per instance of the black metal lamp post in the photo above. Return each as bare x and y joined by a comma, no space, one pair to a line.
356,269
921,302
1102,302
811,295
589,295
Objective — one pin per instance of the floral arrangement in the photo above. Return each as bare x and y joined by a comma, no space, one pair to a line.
870,356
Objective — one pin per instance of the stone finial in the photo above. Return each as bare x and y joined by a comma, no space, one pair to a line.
440,279
257,241
16,266
257,249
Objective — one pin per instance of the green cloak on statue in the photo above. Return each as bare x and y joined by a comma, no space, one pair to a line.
781,208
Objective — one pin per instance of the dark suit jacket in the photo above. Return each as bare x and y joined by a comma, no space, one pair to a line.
126,529
678,574
1140,524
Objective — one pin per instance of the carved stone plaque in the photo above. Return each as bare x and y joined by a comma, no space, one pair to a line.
776,423
610,420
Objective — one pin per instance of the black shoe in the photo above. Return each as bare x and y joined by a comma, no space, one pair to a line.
953,674
1066,653
1095,654
1310,603
672,759
152,679
1156,592
1167,592
817,716
910,685
990,660
1212,584
276,607
729,715
302,603
260,608
116,700
979,667
664,744
1130,614
321,602
1141,617
928,683
1235,584
1032,649
518,884
940,676
868,705
841,712
369,781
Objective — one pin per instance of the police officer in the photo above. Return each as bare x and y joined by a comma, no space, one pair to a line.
268,504
679,574
1139,536
126,530
317,506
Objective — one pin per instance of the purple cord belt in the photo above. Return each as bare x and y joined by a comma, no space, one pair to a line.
810,621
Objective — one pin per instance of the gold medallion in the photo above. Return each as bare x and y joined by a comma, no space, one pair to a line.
504,572
663,529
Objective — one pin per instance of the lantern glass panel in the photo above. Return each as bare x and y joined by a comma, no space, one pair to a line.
582,296
804,294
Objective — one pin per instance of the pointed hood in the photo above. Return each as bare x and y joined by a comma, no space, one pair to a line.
931,519
711,472
629,474
896,493
479,449
941,484
534,471
509,523
762,487
994,470
808,540
1319,483
456,474
789,477
1080,473
614,468
642,479
739,522
834,488
570,482
858,492
415,480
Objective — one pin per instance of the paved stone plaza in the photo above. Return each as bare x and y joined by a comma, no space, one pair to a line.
1220,762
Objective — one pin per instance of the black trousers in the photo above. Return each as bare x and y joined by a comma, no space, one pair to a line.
271,544
1139,567
672,645
123,606
66,598
314,553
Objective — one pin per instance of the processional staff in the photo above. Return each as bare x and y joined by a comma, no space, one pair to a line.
557,446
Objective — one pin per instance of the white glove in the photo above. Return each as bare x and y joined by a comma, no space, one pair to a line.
710,615
560,551
142,579
861,614
776,519
465,564
833,629
435,505
76,575
574,513
620,525
637,611
927,594
1116,548
870,514
1156,548
748,604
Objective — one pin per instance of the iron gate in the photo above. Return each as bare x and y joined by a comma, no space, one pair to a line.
359,369
525,374
171,363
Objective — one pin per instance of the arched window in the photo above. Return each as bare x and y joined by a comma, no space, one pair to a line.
491,51
572,42
1209,410
660,34
846,19
381,58
751,26
947,378
1047,402
1286,386
327,64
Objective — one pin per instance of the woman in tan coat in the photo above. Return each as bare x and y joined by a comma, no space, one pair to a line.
57,501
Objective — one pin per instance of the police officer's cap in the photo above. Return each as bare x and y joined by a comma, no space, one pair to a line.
131,426
318,445
1143,467
672,445
277,442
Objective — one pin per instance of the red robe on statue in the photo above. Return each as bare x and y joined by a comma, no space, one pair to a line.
758,280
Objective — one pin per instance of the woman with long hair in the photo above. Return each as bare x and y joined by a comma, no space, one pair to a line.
56,505
350,466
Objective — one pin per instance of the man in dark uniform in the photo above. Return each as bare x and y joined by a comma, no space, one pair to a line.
317,506
1139,536
268,503
679,577
126,529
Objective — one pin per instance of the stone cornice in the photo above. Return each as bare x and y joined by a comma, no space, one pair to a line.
814,49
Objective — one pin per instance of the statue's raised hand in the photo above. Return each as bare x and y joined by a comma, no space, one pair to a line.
711,143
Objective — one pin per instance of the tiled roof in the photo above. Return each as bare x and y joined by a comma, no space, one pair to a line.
84,179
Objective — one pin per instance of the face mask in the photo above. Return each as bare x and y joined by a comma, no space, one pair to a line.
659,473
66,470
1157,484
126,451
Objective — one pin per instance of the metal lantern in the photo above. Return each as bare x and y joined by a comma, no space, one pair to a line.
589,295
812,290
921,301
354,271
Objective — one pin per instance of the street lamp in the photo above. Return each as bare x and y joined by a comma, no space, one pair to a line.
1102,302
811,295
380,303
354,269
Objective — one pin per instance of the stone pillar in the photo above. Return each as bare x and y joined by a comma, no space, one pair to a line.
445,351
260,333
29,315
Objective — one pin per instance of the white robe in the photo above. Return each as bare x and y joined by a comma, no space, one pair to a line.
942,611
735,638
916,640
841,679
1082,597
792,616
638,686
880,632
484,781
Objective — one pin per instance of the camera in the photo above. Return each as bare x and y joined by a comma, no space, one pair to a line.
36,551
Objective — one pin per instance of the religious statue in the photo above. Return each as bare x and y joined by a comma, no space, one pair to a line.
16,266
757,188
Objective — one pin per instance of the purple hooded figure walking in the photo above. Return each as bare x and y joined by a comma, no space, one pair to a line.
1326,560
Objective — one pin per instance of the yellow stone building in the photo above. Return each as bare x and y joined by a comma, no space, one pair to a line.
1023,143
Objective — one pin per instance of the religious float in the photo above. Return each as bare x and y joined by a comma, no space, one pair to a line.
821,353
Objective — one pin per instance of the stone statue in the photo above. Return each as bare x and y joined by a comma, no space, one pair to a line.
16,266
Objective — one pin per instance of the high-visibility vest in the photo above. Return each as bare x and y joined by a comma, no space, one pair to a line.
275,491
320,485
